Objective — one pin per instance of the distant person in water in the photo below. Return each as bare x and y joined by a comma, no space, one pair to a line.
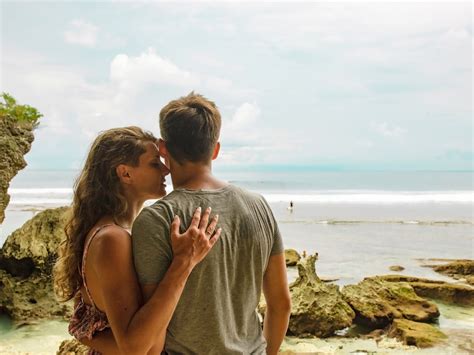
217,311
95,266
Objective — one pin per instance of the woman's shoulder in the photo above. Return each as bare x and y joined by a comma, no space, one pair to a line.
111,241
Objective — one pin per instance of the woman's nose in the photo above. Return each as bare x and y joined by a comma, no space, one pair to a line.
164,170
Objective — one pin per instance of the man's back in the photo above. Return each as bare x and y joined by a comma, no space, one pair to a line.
216,312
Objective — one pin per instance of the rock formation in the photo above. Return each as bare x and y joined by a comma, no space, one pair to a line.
72,347
396,268
377,303
317,308
26,261
418,334
459,270
291,257
16,135
457,294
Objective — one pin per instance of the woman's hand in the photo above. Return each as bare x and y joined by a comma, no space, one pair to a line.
194,244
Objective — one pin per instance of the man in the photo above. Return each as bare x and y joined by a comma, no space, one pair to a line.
217,310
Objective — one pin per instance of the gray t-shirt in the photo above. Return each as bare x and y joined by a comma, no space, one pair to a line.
217,310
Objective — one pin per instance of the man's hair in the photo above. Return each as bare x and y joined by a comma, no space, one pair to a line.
190,127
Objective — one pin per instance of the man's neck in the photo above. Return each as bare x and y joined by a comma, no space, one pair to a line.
194,176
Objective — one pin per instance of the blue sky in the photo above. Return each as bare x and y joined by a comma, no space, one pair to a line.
312,85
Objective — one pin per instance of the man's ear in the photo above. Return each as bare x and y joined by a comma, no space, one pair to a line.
123,174
217,148
164,152
162,148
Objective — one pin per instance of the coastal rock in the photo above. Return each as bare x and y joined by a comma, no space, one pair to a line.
459,270
317,308
396,268
72,347
291,257
457,294
418,334
377,302
15,141
30,299
35,244
458,267
26,260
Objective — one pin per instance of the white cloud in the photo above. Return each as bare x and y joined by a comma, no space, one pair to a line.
82,33
241,129
149,68
245,116
387,130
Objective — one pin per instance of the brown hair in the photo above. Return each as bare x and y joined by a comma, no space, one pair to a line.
97,193
190,127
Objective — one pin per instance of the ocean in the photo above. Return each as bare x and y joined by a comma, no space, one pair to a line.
359,223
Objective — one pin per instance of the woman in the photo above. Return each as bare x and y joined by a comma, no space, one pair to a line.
122,171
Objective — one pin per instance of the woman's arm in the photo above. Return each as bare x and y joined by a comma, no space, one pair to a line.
136,329
103,341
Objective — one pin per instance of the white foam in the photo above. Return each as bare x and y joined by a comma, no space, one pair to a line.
369,197
20,196
39,201
40,191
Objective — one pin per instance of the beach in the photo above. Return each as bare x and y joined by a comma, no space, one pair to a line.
360,224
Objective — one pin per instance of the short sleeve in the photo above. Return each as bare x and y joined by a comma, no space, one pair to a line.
277,247
277,242
152,252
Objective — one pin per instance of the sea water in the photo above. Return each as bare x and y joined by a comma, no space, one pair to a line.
359,223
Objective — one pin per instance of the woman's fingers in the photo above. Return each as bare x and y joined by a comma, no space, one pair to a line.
175,226
196,218
212,226
204,219
215,237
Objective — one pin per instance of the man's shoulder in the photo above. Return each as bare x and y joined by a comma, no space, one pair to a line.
249,195
157,211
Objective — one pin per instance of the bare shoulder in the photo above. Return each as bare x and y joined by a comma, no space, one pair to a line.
111,243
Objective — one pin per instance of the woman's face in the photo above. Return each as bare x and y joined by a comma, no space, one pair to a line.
148,178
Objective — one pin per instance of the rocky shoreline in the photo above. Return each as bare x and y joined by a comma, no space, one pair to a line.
394,307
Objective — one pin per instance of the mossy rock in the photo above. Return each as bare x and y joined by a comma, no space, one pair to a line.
318,309
292,257
72,347
36,243
377,302
456,294
417,334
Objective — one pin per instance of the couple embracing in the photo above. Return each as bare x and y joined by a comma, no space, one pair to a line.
176,277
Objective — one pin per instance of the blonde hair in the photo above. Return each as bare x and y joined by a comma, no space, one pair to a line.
97,193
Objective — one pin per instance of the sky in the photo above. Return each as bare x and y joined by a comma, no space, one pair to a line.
307,85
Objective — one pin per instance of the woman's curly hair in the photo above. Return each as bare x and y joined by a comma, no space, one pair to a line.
97,193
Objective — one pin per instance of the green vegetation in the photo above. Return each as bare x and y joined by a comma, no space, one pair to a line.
23,114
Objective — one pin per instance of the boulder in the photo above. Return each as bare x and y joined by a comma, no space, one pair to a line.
459,270
418,334
291,257
72,347
15,142
35,244
317,308
458,267
377,302
457,294
396,268
26,260
30,299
